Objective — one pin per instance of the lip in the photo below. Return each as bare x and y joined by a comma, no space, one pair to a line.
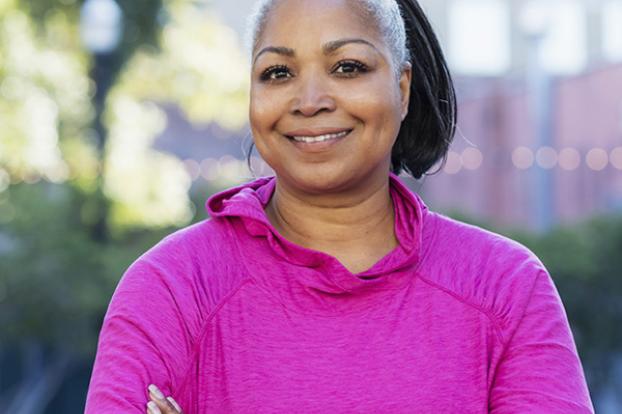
315,132
318,147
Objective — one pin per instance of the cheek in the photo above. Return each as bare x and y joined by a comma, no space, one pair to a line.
377,105
259,112
264,114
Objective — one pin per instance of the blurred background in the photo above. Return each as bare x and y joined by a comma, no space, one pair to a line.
118,118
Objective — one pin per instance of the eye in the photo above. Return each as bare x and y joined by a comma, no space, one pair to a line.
350,68
275,73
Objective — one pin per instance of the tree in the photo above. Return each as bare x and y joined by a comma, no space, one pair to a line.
55,279
199,68
584,261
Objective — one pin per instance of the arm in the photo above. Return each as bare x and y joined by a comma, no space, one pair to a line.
540,370
145,339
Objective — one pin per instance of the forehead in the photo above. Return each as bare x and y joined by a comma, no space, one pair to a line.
317,21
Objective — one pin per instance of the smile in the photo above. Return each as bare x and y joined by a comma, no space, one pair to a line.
320,138
307,137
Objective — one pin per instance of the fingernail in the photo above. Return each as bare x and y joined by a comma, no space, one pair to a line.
153,408
177,407
156,391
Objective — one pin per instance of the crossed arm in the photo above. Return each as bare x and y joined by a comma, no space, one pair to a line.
160,404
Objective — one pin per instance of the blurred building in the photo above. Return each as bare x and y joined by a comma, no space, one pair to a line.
540,94
539,85
499,169
493,37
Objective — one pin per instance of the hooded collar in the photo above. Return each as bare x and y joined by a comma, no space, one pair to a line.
309,269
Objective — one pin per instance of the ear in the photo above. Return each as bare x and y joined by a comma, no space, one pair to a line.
405,80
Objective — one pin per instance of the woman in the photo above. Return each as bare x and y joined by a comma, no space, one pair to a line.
332,288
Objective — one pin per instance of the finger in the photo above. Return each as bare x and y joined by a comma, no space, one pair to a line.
177,407
159,404
152,408
161,407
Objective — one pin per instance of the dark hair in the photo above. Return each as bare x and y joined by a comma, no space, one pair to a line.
428,130
429,127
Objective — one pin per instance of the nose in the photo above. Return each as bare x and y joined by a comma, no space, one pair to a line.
312,97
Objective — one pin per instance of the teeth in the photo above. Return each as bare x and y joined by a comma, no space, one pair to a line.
321,138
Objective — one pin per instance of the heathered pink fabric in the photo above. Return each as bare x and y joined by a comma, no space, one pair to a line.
229,317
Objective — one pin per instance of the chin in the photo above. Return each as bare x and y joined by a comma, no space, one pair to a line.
317,179
325,180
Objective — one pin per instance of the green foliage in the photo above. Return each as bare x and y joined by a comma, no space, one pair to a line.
56,274
140,20
585,262
49,104
44,93
187,71
55,281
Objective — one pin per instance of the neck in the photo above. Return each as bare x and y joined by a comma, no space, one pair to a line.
349,225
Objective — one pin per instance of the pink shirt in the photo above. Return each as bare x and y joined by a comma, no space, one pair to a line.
229,317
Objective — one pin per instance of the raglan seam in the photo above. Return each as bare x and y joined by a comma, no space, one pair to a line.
493,318
199,338
506,343
204,326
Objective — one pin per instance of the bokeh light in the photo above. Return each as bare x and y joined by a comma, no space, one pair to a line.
569,159
522,158
210,169
193,168
597,159
615,158
546,157
472,158
453,165
181,94
58,173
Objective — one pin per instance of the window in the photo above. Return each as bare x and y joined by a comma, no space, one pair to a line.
479,37
612,30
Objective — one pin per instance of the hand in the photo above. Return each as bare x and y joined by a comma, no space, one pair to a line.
161,405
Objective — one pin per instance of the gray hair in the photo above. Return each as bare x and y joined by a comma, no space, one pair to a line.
385,13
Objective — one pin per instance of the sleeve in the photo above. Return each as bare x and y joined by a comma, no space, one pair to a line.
540,370
146,337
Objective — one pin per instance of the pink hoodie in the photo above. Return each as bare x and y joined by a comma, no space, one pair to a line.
227,316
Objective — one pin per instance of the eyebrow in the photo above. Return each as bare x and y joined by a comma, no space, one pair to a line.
331,47
279,50
328,48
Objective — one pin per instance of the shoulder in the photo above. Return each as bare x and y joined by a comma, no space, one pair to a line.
487,270
197,261
473,245
196,244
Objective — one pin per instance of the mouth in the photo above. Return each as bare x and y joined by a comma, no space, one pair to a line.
309,138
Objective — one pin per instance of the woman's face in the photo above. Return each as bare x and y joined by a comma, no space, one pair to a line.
326,106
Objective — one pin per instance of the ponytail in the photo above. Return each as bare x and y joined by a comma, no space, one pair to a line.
428,130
